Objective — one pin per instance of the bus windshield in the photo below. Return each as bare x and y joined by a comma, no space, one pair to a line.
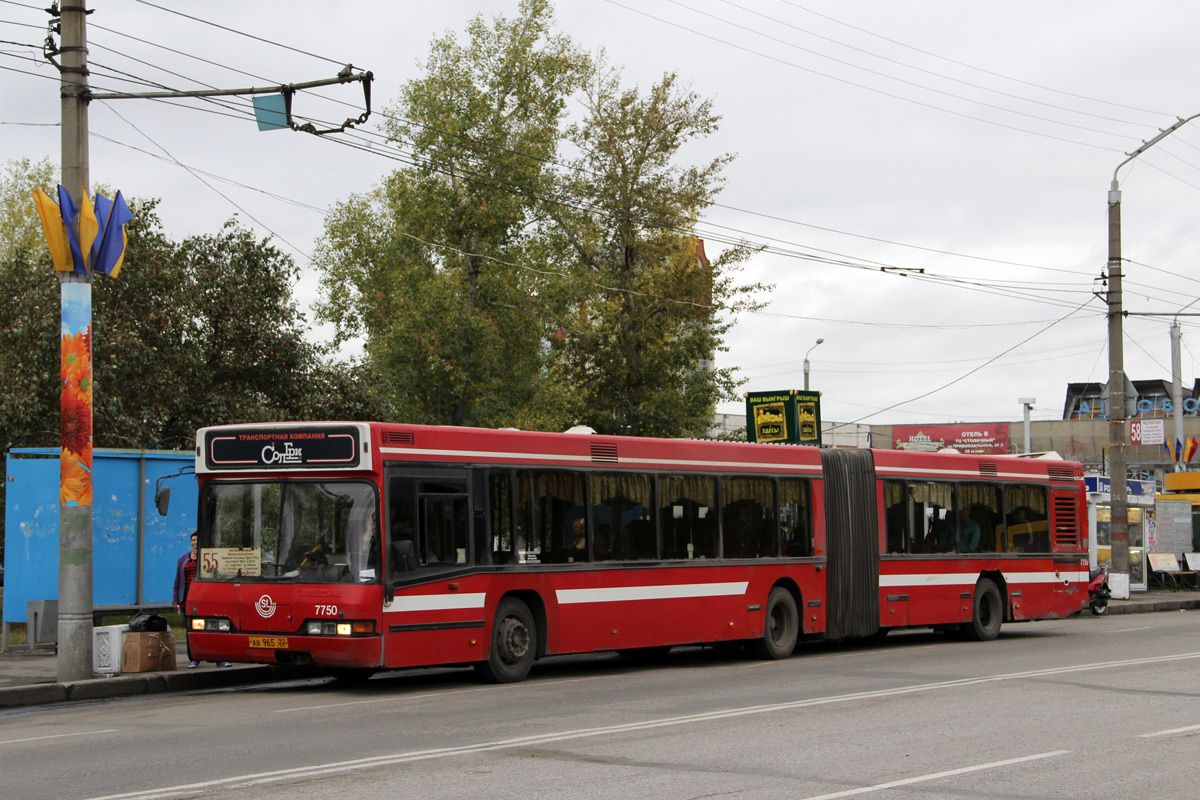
290,532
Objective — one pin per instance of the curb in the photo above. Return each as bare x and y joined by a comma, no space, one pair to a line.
144,683
1120,607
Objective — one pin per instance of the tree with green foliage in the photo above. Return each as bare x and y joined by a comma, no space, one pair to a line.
438,267
652,311
20,228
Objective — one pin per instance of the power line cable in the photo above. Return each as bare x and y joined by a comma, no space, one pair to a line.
884,75
970,66
943,76
863,86
969,373
241,33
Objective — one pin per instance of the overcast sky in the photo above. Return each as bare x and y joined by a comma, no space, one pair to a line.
931,177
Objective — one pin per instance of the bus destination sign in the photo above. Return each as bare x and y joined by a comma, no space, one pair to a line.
329,447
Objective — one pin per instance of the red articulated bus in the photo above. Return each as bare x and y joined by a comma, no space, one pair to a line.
357,547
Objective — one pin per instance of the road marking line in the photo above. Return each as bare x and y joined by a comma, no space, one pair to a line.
1188,729
338,767
56,736
423,695
1127,630
936,775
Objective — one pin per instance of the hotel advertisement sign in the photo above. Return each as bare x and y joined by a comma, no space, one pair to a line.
979,440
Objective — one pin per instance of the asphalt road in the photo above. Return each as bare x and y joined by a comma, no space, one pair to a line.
1074,709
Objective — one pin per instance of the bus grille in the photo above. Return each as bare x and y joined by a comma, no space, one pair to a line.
1059,474
1066,525
604,452
398,437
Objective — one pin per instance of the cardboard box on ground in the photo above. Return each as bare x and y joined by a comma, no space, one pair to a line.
148,651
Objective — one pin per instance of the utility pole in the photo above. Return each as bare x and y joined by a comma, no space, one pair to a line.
75,521
1119,526
1117,471
1176,396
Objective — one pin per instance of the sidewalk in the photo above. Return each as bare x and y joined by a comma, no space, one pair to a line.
28,677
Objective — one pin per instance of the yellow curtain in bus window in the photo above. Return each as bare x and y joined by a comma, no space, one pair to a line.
770,422
226,562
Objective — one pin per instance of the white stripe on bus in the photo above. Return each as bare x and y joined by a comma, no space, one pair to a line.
436,602
970,578
616,594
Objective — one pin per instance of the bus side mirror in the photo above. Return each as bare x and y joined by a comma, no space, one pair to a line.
162,491
162,500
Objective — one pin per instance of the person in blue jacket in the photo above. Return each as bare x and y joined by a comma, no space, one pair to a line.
185,573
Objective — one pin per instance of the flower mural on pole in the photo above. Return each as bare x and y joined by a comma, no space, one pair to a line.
75,463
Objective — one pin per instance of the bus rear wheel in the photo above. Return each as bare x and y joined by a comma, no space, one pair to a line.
987,612
514,644
781,628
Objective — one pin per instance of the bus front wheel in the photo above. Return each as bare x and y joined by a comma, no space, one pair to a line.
987,612
781,628
514,644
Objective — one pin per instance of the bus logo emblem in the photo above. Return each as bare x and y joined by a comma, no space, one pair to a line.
265,606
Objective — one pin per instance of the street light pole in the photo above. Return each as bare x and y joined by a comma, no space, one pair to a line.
819,341
1119,526
1027,402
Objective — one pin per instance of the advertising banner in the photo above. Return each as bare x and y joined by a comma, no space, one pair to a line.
788,417
979,440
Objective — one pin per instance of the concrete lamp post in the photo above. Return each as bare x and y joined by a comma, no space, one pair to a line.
819,341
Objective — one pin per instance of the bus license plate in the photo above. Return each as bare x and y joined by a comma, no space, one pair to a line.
269,642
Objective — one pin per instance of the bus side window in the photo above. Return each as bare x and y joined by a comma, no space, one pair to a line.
748,517
401,523
795,517
499,492
688,518
895,501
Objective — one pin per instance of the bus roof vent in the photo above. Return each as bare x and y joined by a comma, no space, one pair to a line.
604,451
987,469
1060,474
398,437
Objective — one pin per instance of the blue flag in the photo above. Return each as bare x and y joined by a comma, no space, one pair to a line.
108,251
69,211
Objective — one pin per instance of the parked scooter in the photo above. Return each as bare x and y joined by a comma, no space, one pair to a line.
1098,592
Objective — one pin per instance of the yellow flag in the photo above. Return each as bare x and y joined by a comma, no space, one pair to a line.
55,231
89,226
116,270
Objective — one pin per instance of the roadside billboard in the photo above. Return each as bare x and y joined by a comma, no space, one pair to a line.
981,440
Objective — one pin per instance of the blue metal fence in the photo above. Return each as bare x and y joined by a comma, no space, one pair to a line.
134,550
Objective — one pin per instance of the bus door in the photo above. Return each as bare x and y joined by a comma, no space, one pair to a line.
429,510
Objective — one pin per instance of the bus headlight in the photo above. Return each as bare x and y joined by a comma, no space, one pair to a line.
326,627
219,624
